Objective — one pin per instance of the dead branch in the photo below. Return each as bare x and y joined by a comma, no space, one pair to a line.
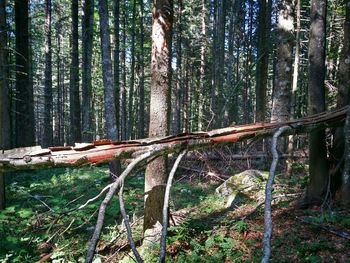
268,196
166,205
105,151
127,225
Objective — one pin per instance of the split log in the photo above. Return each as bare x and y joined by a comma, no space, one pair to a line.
106,150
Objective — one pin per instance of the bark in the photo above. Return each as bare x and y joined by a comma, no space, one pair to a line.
283,74
104,151
179,82
48,129
132,74
141,122
156,172
4,97
123,124
108,82
58,105
24,102
264,18
87,39
74,96
116,61
343,99
318,163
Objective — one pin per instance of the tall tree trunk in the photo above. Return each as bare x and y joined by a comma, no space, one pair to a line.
4,97
116,61
202,70
123,124
343,100
284,61
132,74
179,82
156,172
24,103
318,163
264,18
47,134
59,100
74,96
141,122
87,40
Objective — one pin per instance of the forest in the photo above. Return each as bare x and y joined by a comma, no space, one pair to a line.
174,131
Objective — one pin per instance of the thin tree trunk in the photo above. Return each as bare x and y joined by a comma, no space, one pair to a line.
156,172
132,75
116,61
24,102
59,100
318,163
141,127
47,135
179,83
123,88
87,40
4,97
74,96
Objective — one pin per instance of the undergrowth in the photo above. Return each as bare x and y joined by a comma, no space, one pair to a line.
35,224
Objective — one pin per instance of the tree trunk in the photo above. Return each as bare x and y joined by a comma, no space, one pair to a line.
47,133
141,122
179,82
87,39
24,102
4,97
343,100
283,74
132,74
74,96
318,163
116,62
156,172
123,124
264,18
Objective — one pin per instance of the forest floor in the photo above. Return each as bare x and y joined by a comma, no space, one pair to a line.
35,227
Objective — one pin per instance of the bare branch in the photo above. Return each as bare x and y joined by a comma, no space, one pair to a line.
127,225
166,206
268,196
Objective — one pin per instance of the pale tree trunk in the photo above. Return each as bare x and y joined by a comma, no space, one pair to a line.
74,96
123,123
343,100
141,123
4,97
24,102
202,80
283,74
59,100
116,61
47,135
318,163
132,75
87,39
156,172
179,82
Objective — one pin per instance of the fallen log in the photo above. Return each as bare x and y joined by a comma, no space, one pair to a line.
106,150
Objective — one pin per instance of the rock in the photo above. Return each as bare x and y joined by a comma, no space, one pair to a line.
248,183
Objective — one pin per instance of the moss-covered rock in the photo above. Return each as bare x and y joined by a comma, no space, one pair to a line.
247,183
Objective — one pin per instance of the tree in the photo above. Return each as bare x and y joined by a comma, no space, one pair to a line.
47,133
24,103
343,100
141,127
87,41
74,96
132,73
318,163
5,132
264,18
283,73
116,61
156,172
